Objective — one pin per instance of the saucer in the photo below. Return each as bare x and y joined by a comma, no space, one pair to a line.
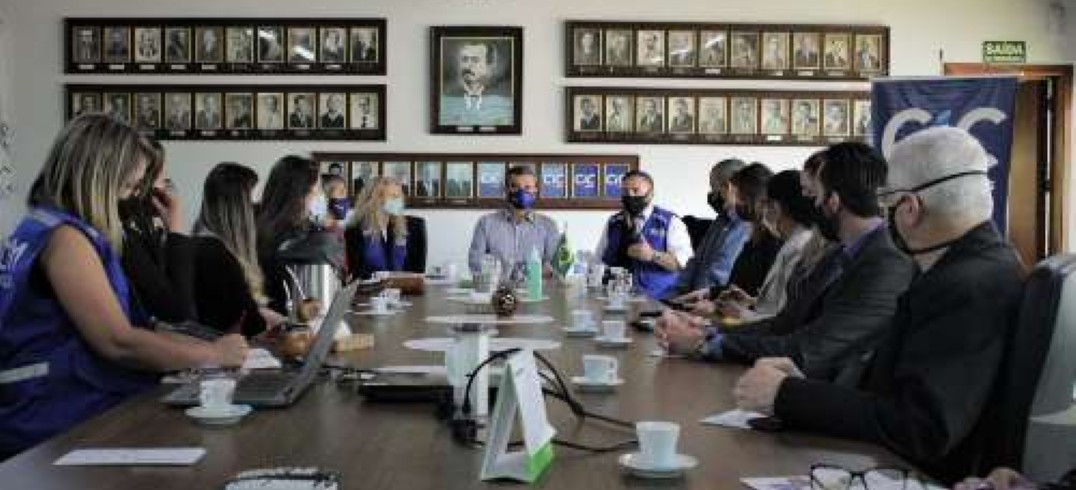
580,331
523,298
615,308
635,464
389,312
585,384
228,416
455,291
608,342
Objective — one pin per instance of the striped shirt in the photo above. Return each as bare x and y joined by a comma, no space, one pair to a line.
510,241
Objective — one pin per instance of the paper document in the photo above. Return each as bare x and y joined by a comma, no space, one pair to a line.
804,483
260,359
176,456
736,419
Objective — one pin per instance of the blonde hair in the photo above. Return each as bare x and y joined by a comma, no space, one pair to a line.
368,209
228,214
86,169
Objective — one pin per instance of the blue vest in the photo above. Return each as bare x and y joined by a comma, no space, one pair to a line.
50,378
654,280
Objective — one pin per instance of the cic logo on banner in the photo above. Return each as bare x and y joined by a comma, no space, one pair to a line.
554,180
585,180
614,174
981,106
491,180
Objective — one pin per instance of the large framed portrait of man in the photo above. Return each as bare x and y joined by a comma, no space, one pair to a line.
805,51
85,44
239,45
177,111
713,115
775,51
682,49
477,85
117,44
744,51
618,43
805,120
147,45
775,117
428,179
619,113
586,111
650,48
177,45
836,52
744,116
270,111
209,45
586,46
835,118
713,49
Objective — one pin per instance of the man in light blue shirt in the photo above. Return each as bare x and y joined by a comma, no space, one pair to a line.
510,234
713,261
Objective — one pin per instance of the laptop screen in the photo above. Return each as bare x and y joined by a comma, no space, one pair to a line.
326,333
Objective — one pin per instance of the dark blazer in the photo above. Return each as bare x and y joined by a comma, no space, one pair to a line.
926,390
415,260
754,262
221,292
849,312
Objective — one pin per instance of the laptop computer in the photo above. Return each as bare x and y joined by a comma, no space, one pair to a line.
279,388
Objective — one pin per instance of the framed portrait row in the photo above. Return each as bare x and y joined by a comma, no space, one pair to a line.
476,80
229,46
701,116
238,112
477,180
720,50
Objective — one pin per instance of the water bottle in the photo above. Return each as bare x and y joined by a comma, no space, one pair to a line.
534,275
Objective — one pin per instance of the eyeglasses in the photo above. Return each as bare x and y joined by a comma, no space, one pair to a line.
830,477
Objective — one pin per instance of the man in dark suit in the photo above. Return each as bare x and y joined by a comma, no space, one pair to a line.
854,289
589,120
363,45
650,121
928,391
302,116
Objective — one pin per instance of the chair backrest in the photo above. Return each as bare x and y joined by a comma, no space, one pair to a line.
696,229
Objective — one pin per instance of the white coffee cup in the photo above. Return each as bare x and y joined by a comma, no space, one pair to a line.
452,271
215,394
392,295
600,369
595,275
379,304
582,318
613,329
657,443
616,300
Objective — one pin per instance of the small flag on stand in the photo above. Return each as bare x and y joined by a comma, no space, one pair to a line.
564,258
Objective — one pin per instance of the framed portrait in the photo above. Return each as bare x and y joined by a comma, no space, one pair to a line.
612,177
836,52
364,111
585,180
713,115
85,44
619,114
835,118
805,120
744,115
333,169
365,46
270,111
650,48
239,111
147,48
554,184
713,49
805,54
682,48
477,81
618,43
332,45
332,110
208,45
459,180
239,44
177,111
117,48
362,173
587,46
744,50
869,53
270,44
491,180
650,116
118,105
681,115
147,111
428,179
301,45
84,103
774,117
775,51
177,45
861,115
208,113
301,111
401,171
587,110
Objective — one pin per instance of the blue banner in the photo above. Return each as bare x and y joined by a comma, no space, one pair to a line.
982,106
585,180
554,180
491,180
614,172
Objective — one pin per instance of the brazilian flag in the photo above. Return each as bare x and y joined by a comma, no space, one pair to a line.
564,258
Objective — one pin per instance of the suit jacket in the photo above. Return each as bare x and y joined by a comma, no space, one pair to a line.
206,120
296,120
651,125
415,261
590,123
850,311
926,393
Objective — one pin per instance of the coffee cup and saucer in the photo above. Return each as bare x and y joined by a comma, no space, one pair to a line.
582,324
613,334
599,374
216,408
657,456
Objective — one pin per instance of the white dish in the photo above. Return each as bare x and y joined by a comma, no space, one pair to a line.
523,298
633,299
635,464
615,309
228,416
608,342
580,331
588,385
374,313
456,291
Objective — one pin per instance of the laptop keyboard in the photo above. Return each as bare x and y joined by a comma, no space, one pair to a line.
262,384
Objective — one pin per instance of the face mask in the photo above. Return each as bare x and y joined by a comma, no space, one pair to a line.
894,234
318,208
898,240
339,207
716,202
635,205
521,199
828,225
394,206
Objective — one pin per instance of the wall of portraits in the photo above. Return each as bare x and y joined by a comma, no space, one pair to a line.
722,50
225,45
476,180
239,112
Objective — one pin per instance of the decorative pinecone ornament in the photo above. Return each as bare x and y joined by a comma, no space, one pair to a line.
504,301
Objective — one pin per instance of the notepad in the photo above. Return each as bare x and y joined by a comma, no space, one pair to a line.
260,359
172,456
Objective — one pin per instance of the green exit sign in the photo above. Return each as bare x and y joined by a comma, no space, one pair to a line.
1004,52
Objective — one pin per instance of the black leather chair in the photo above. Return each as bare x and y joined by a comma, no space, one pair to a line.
696,229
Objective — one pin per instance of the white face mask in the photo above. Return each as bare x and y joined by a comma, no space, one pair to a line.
394,206
319,207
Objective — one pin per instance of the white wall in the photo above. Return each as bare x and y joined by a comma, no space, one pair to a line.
920,28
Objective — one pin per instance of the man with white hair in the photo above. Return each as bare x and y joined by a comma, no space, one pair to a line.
926,388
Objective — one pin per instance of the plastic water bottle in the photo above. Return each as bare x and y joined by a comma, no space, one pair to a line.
534,275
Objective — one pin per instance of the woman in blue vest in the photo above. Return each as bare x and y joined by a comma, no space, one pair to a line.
380,237
71,343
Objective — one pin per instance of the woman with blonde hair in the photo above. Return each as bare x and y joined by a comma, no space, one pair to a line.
71,343
380,237
229,285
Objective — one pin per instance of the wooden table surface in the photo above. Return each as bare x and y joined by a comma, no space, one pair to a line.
403,446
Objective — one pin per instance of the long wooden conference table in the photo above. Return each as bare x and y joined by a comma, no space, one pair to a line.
404,446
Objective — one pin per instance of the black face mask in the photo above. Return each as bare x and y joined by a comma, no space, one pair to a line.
828,225
635,205
894,235
898,240
716,202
